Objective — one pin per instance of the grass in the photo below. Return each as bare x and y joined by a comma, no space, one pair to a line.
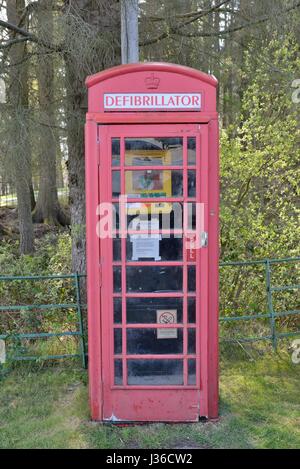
47,408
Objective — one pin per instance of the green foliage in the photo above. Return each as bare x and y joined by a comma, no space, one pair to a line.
260,164
260,187
52,257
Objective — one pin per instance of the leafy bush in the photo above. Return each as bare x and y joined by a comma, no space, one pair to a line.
52,256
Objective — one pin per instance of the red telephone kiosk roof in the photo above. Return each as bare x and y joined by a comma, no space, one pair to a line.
150,66
150,79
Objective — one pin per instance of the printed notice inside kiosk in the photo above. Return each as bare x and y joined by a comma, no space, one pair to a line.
152,201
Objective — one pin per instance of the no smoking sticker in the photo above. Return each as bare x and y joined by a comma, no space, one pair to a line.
167,316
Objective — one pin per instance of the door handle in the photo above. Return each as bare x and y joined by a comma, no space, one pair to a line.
204,239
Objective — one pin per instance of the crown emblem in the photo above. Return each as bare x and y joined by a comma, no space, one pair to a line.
152,82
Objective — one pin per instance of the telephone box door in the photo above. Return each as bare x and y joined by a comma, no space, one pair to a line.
154,271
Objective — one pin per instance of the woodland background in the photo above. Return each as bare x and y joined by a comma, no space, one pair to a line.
48,47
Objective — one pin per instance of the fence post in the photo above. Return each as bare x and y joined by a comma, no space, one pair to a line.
80,321
270,304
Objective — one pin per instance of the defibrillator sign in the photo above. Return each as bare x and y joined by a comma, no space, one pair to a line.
152,101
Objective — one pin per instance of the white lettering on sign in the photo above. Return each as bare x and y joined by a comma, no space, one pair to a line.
140,101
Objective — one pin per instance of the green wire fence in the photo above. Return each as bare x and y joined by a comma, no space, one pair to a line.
269,290
76,305
271,314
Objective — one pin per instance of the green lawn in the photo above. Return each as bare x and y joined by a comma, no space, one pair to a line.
47,408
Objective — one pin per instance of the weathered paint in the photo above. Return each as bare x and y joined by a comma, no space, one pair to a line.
151,403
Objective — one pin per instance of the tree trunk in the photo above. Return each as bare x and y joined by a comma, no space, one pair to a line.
98,22
76,118
47,209
19,139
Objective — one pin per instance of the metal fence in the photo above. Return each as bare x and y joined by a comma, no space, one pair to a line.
271,315
76,306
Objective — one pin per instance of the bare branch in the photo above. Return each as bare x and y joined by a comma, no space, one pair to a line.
7,44
193,14
28,36
16,29
195,17
177,30
28,9
249,24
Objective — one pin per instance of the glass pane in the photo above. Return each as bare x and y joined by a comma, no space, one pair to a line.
109,220
116,183
164,215
148,341
118,372
192,183
117,341
170,213
153,183
191,341
116,217
116,249
144,248
155,372
117,310
117,279
192,372
154,279
192,278
192,310
191,215
153,151
192,150
144,310
115,150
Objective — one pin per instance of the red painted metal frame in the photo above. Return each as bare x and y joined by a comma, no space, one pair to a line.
155,403
93,269
111,406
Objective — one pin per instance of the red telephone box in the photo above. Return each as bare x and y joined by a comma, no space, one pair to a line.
152,200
